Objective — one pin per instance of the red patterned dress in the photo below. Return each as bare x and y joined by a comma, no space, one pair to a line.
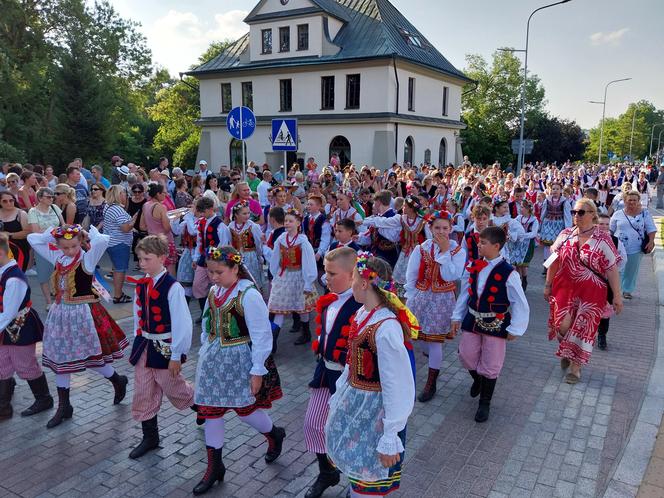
579,289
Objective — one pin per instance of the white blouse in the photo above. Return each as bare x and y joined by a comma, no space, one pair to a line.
98,244
451,266
12,297
309,269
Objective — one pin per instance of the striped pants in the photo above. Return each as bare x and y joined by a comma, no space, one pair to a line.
20,360
150,385
315,418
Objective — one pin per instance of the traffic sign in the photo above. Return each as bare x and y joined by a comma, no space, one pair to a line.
284,134
241,122
528,145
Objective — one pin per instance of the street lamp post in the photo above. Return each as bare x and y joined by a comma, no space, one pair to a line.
519,164
652,134
601,133
658,142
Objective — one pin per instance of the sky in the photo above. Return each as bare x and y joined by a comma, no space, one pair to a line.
575,48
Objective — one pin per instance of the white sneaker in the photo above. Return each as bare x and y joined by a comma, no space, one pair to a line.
31,273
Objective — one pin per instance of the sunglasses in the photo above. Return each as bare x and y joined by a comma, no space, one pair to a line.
95,189
136,191
60,193
579,212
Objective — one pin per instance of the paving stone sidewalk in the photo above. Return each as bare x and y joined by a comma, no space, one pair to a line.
544,438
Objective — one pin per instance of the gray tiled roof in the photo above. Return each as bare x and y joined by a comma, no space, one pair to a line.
375,29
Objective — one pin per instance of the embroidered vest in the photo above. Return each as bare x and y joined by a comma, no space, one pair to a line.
494,300
382,246
472,239
208,235
227,323
243,241
314,231
77,286
363,371
26,328
332,345
429,273
291,257
554,211
154,317
410,238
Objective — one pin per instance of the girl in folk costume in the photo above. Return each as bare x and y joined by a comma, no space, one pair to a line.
531,192
537,207
458,222
521,250
512,228
345,208
411,225
235,370
441,198
246,237
433,269
555,217
20,330
293,267
641,186
187,229
603,186
78,333
375,394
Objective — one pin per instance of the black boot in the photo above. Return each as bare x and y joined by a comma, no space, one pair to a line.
601,341
275,441
524,283
327,477
6,393
275,338
150,439
120,386
475,388
43,398
64,411
602,329
305,336
486,393
430,387
215,471
296,324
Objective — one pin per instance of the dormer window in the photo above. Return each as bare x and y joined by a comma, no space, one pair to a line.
412,38
266,36
284,39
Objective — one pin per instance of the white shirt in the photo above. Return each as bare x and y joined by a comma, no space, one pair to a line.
309,269
333,311
396,380
263,193
325,234
98,244
181,322
12,297
388,227
258,322
451,267
223,233
526,221
519,308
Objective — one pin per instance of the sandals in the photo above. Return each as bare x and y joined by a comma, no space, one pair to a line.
124,298
627,295
571,378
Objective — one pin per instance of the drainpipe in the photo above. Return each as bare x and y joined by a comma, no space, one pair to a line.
396,125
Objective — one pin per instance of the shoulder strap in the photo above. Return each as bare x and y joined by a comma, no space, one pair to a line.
630,224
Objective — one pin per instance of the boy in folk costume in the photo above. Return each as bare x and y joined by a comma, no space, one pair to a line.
383,241
235,370
433,269
481,218
79,333
375,394
344,232
163,337
334,312
491,310
20,330
211,233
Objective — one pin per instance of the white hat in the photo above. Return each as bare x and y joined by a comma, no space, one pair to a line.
123,170
165,173
251,171
202,161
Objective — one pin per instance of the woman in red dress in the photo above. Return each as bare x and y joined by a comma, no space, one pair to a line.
577,287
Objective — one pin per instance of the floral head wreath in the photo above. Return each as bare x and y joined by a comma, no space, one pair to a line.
415,204
67,232
293,212
437,215
240,205
216,254
370,274
278,189
347,192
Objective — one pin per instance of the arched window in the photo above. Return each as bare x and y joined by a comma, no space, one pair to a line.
442,152
409,150
427,156
235,152
341,147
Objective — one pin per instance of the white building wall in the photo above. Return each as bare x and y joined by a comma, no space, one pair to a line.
428,94
426,137
315,38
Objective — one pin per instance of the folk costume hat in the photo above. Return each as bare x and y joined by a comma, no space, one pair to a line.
414,203
437,215
66,232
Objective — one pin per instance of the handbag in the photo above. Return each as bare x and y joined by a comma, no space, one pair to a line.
643,238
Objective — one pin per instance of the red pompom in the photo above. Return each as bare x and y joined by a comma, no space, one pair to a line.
318,319
491,299
160,328
345,331
498,277
493,289
155,309
500,316
141,323
154,294
314,346
342,343
336,354
470,291
157,318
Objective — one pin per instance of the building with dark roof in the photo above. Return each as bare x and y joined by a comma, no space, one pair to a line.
362,81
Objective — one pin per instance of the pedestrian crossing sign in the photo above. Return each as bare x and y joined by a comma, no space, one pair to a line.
284,134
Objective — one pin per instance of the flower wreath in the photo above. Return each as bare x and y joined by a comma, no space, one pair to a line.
437,215
66,232
239,205
369,274
216,254
293,212
414,203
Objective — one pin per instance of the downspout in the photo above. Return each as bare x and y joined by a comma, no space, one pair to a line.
396,125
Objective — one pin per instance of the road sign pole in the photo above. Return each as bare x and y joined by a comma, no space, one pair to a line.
244,161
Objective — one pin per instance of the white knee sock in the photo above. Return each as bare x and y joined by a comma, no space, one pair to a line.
435,355
304,317
107,370
259,420
62,380
278,320
214,432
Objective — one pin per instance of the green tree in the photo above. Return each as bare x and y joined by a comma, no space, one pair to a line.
491,111
555,139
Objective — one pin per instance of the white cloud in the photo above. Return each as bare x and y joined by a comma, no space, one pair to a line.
177,39
610,38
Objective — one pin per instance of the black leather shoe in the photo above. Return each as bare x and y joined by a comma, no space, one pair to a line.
119,386
215,471
325,480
